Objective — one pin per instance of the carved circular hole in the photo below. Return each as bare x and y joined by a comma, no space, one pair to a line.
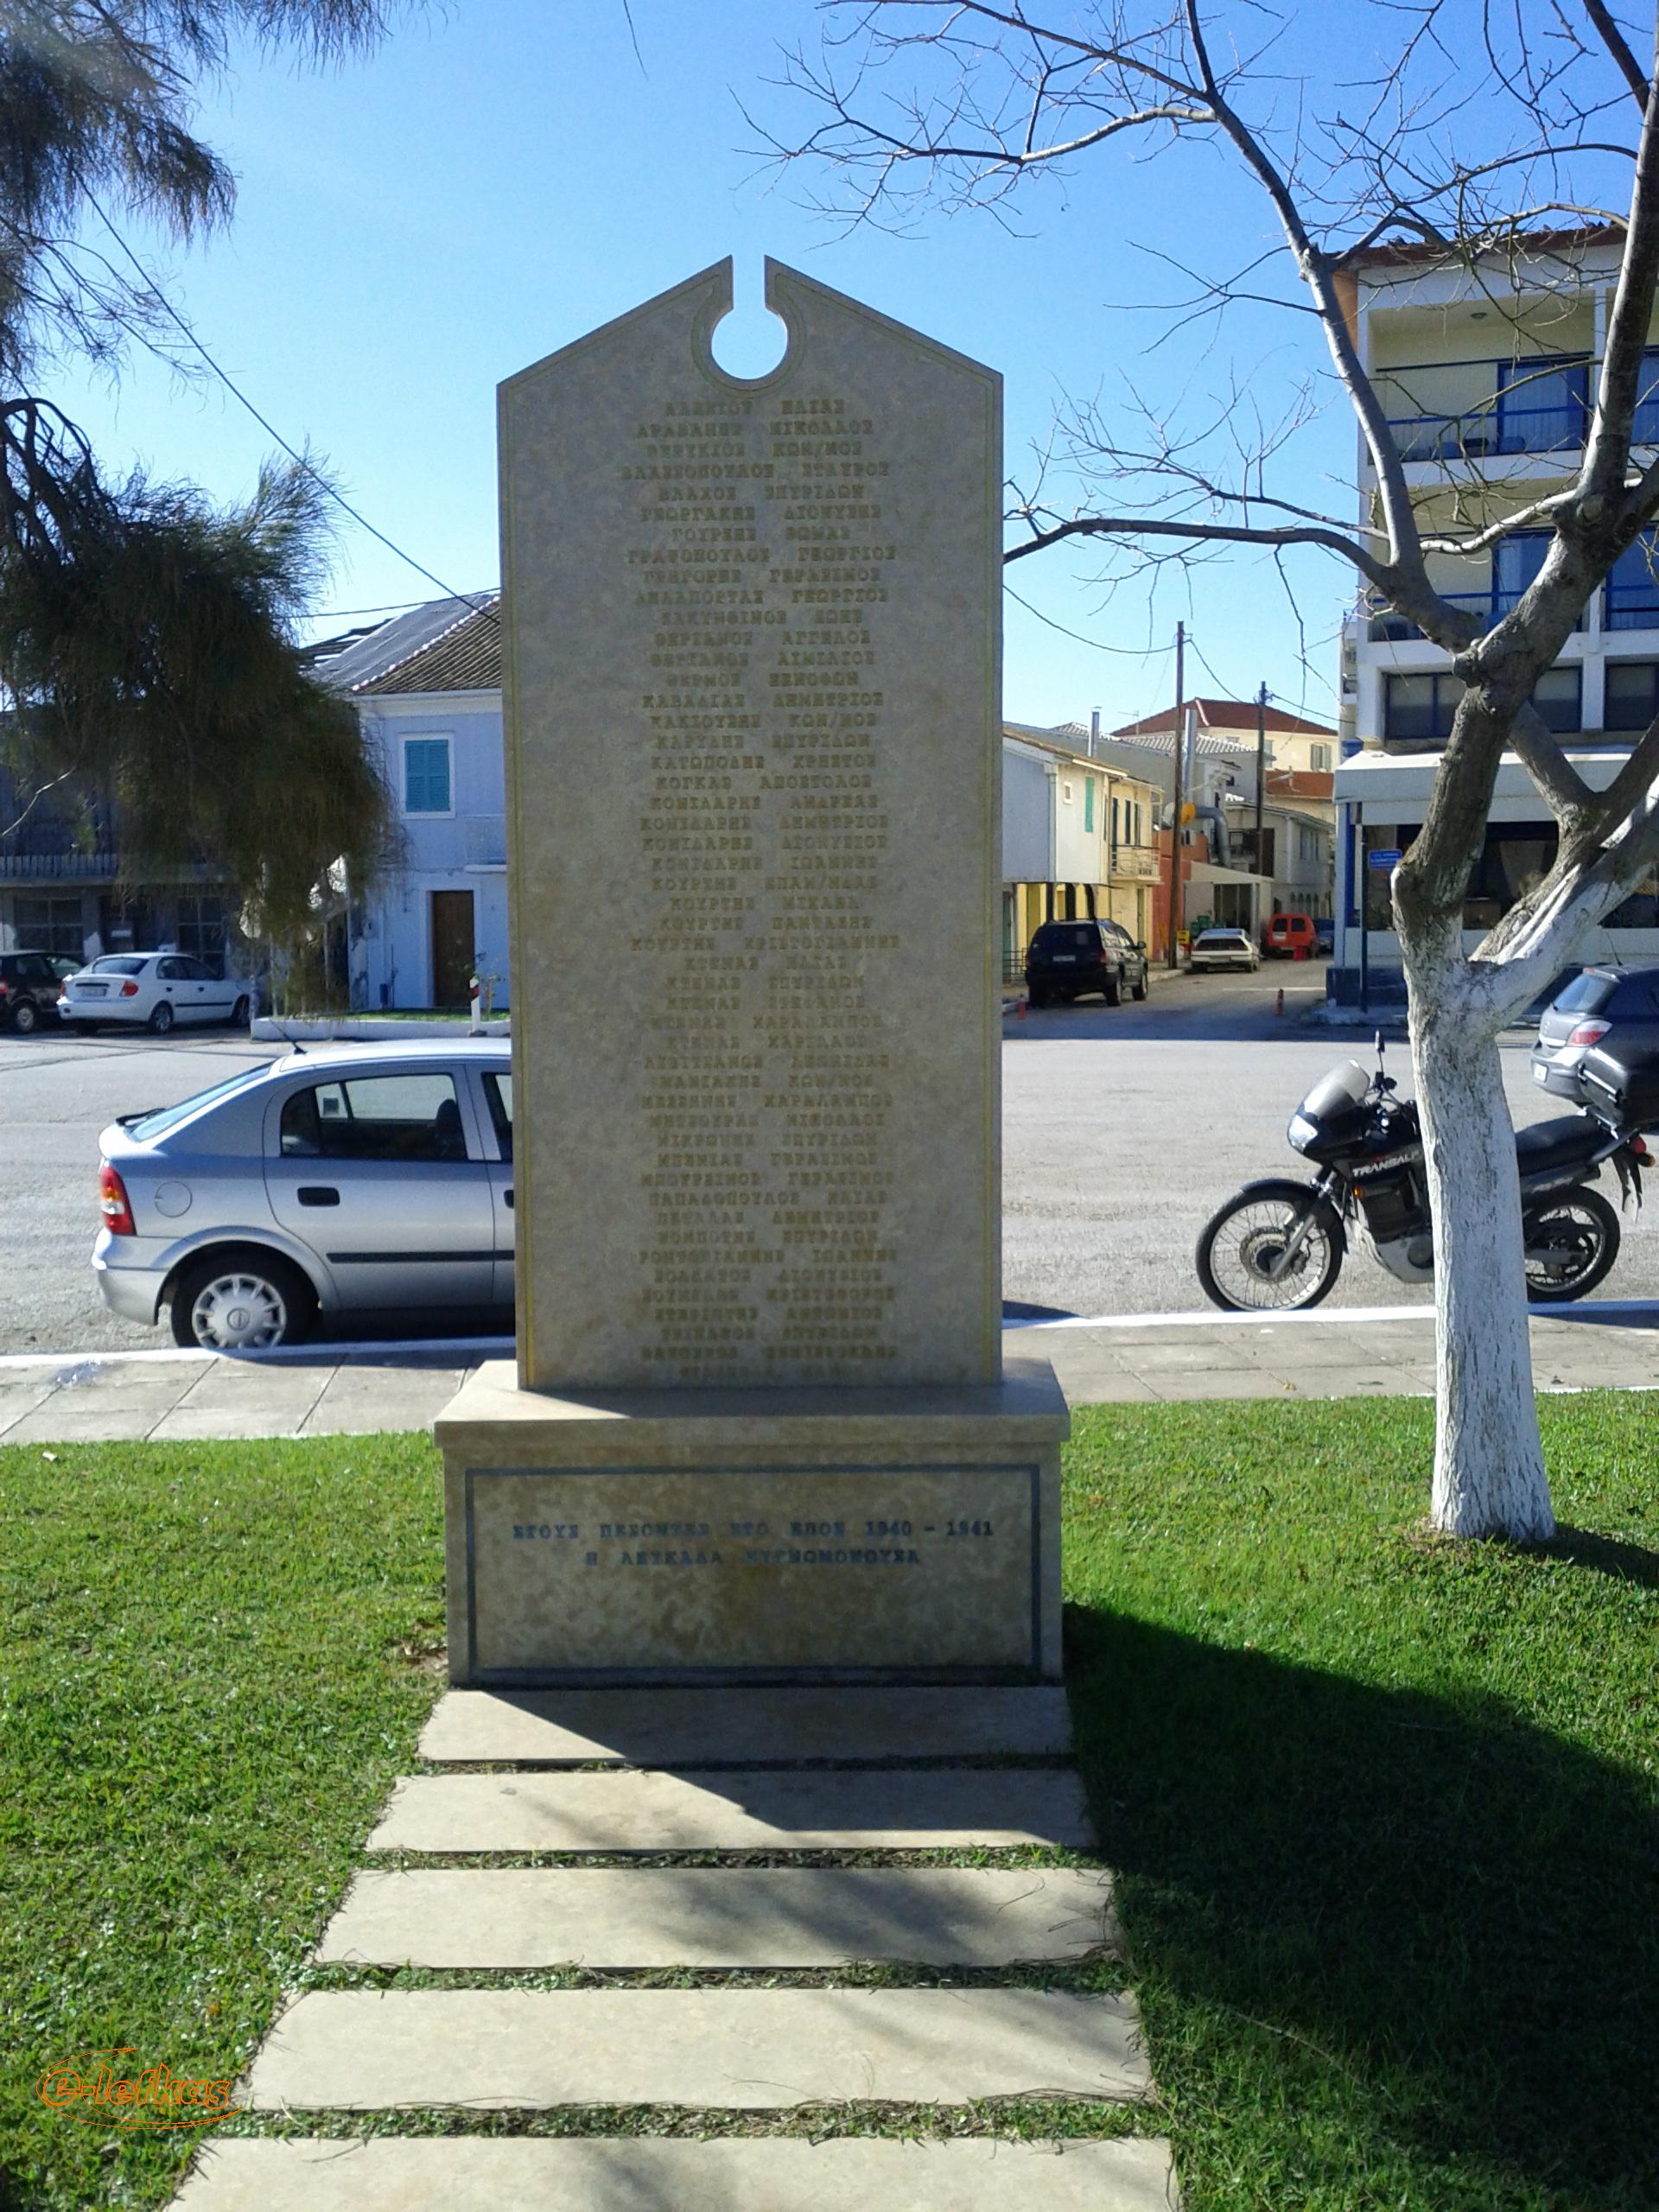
749,341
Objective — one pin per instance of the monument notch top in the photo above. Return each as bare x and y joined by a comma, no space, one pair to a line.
787,294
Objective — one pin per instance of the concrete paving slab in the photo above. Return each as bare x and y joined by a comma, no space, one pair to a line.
17,1405
358,1399
493,1919
763,1810
1085,1386
670,1727
1154,1357
115,1417
757,2174
362,2049
1220,1383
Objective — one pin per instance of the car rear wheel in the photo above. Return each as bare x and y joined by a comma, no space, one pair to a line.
239,1014
1138,991
241,1302
1036,996
25,1017
161,1019
1112,989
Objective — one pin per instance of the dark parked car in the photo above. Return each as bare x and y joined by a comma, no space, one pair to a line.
29,988
1066,960
1607,1008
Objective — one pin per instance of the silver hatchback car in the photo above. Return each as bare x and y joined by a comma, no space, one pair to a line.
341,1180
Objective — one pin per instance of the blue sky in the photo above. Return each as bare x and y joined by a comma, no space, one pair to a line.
505,175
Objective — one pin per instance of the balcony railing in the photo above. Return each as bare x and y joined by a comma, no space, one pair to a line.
1135,864
1384,627
27,867
1504,419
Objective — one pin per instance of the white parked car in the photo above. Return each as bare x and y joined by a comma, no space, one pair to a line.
153,991
1223,949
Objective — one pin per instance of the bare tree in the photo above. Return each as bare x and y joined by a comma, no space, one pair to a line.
147,639
1470,164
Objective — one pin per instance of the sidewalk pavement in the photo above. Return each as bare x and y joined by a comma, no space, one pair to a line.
355,1389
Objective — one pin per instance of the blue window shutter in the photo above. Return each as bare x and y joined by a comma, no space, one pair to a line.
1088,802
426,775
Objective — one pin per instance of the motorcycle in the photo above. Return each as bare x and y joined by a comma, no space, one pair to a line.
1279,1245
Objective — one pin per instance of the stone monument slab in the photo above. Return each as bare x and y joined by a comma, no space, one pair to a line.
752,645
753,638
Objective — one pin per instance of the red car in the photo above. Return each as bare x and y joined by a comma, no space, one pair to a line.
1290,936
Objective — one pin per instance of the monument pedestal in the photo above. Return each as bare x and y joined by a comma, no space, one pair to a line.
753,1535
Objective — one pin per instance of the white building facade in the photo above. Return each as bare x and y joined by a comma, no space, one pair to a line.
1487,377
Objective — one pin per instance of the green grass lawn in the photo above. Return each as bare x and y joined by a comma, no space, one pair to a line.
205,1701
1383,1808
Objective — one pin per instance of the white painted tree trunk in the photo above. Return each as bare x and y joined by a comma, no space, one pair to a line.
1489,1456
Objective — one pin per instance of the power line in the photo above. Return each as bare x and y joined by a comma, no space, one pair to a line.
1125,652
270,429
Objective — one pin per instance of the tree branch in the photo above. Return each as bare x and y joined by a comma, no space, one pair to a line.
1613,39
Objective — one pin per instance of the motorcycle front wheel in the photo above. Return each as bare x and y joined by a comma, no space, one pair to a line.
1572,1242
1274,1249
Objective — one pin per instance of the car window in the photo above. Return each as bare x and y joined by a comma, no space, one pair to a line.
33,968
497,1094
167,1117
118,963
1587,994
171,971
408,1117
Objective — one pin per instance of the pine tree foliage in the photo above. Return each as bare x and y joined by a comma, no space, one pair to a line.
147,638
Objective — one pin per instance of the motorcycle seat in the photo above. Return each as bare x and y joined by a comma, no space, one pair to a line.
1560,1143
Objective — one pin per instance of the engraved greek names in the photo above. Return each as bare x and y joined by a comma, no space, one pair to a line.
750,683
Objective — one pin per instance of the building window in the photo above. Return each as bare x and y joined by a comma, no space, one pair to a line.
1088,802
1632,694
426,775
201,928
49,925
1558,696
1320,757
1307,844
1541,407
1633,586
1115,833
1417,707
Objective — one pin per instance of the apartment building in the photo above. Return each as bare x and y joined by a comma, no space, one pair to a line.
1079,838
1487,377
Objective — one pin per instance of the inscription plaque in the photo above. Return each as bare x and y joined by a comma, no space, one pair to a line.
750,1570
752,633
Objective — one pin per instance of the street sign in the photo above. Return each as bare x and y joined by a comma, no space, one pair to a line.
1384,856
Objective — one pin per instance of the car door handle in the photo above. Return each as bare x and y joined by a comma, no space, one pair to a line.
508,1195
318,1194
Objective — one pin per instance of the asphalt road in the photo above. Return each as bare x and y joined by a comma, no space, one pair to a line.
1123,1128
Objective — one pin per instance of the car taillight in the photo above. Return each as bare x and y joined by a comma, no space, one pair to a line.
113,1203
1589,1033
129,990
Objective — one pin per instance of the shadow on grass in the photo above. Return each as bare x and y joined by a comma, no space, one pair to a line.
1608,1555
1392,1951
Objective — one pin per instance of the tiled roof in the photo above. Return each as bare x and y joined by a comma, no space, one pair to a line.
447,644
1300,783
1228,715
466,659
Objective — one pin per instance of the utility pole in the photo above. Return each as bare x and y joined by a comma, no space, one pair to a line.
1260,772
1177,750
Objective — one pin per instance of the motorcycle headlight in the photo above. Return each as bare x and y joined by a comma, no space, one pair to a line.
1302,1132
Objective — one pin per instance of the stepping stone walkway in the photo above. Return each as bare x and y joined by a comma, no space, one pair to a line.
775,1774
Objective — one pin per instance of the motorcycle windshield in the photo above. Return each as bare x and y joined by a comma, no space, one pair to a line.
1344,1089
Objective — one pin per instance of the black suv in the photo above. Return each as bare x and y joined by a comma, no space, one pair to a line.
1065,960
29,990
1602,1008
